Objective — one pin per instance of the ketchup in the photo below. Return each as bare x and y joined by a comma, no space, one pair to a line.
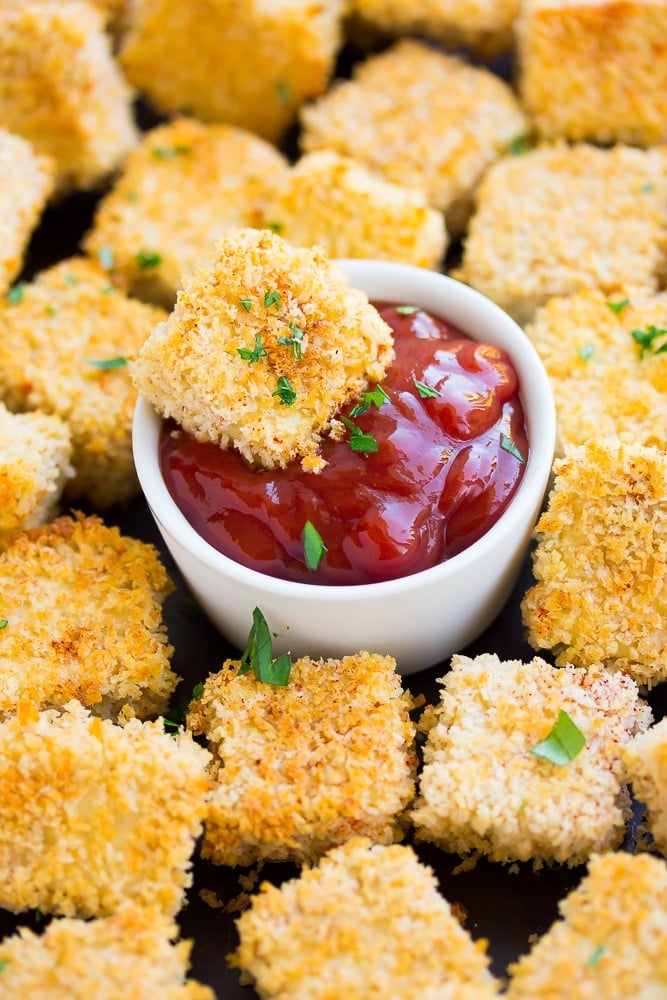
451,450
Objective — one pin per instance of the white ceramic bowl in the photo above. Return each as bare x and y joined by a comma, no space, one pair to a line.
420,619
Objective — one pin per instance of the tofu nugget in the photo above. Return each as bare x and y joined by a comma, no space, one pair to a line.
265,344
599,562
81,607
26,184
645,758
489,785
93,814
301,768
367,922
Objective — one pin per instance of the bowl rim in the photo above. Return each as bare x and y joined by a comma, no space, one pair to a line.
146,426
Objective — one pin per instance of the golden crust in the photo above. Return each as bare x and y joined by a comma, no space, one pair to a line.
482,791
298,769
26,184
84,620
645,758
599,562
256,285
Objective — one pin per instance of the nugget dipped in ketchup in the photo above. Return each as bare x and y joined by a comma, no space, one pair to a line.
315,436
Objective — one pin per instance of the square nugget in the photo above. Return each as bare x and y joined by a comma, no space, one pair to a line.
368,921
301,768
483,789
614,88
560,218
645,758
26,184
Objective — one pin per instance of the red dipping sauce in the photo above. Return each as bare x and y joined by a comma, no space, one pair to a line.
451,450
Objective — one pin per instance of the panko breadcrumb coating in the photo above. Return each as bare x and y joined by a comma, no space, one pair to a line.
83,611
605,383
35,452
251,64
560,218
301,768
335,202
614,87
421,119
482,790
367,923
26,184
64,341
599,561
93,814
611,940
645,758
61,88
302,330
128,954
184,185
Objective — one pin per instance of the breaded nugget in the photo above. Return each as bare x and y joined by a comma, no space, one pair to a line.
560,218
128,954
601,353
178,192
482,789
335,202
265,344
301,768
599,561
611,939
64,341
82,607
61,88
26,183
594,70
93,814
368,922
645,758
421,119
35,452
250,64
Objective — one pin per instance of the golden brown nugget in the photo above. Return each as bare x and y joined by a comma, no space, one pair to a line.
82,611
26,184
645,758
610,941
252,65
64,343
266,342
614,85
484,791
93,815
421,119
602,355
128,954
560,218
184,185
333,201
301,768
601,592
61,89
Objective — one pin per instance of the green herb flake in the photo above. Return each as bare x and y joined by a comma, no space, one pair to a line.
377,396
50,311
647,187
246,303
508,445
586,352
107,290
358,441
285,391
4,622
313,546
258,655
618,307
426,391
519,145
131,196
168,153
197,691
276,227
563,743
3,965
147,259
650,340
256,353
595,956
272,298
105,257
407,310
107,364
176,718
295,341
15,293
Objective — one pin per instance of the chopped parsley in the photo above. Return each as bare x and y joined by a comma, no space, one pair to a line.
108,290
313,546
651,340
276,227
3,965
105,257
407,310
246,303
376,396
256,353
168,153
258,655
175,718
107,364
563,743
426,391
4,622
295,341
147,258
358,441
519,145
285,391
272,298
595,956
508,445
618,307
586,351
15,293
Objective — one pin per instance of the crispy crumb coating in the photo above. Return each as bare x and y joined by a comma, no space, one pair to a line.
61,88
52,340
255,291
128,954
645,758
301,768
560,218
111,813
26,184
83,606
335,202
367,923
482,791
179,190
600,595
604,384
421,119
611,939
